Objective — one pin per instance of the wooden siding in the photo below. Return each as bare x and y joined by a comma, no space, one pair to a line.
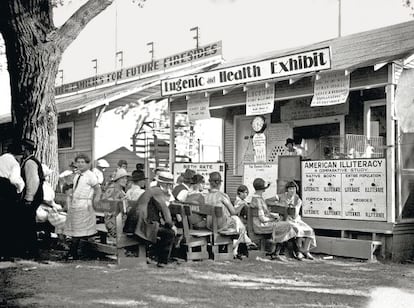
121,153
83,132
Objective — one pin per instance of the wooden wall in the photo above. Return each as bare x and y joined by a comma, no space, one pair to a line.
83,126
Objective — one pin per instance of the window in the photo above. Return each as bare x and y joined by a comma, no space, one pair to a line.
65,136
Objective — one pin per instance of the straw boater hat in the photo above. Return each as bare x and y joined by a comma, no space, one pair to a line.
102,163
164,177
120,173
260,184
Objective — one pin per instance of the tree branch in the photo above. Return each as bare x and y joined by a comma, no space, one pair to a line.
68,32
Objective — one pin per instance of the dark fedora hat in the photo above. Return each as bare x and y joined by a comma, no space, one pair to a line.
292,184
138,175
260,184
289,140
188,174
15,148
28,144
215,176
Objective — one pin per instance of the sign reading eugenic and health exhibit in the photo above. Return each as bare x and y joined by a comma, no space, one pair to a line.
346,189
299,63
332,88
260,100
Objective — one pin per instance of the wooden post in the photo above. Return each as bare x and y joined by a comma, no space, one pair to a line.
391,205
172,137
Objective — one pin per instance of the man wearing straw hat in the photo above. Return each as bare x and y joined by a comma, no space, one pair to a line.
150,218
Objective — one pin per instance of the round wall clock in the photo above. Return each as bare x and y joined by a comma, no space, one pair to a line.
258,124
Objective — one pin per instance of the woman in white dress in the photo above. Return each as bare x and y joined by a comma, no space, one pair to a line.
81,218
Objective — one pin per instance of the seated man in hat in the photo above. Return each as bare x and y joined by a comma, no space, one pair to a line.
150,219
138,184
180,191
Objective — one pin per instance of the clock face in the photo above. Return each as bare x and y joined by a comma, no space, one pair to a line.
258,123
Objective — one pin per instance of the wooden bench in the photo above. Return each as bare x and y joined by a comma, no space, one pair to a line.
221,242
349,242
129,251
261,237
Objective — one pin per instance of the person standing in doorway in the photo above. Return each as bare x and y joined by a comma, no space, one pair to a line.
81,219
32,197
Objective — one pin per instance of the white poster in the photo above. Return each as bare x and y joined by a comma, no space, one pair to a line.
259,148
198,107
201,168
331,88
404,101
346,189
267,172
260,100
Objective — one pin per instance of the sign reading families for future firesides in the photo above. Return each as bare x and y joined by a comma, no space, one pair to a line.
346,189
260,100
198,107
201,168
293,64
331,88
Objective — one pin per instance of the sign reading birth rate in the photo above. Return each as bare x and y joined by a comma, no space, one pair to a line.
346,189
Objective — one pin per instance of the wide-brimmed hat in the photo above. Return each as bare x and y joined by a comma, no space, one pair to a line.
164,177
289,140
260,184
15,148
138,175
102,163
120,173
214,177
292,184
188,174
29,144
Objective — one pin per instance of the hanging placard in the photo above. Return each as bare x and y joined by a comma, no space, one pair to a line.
259,147
198,107
259,100
331,89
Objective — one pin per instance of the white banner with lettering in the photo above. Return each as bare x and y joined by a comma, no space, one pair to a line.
345,189
331,88
260,100
198,107
259,148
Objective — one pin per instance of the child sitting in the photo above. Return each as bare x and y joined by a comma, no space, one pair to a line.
240,203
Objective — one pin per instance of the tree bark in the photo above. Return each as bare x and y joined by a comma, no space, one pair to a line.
34,49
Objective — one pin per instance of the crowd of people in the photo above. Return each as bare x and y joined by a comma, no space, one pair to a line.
27,194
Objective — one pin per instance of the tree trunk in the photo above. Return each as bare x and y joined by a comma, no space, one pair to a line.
33,62
34,49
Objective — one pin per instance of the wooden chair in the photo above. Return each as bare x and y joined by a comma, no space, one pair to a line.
195,241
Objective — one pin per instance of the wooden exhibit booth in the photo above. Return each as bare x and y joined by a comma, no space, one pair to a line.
336,100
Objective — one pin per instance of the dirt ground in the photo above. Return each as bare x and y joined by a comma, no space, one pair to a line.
252,282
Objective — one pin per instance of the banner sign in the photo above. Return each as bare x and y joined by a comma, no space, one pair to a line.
331,88
260,100
345,189
267,172
259,148
404,101
198,107
201,168
299,63
298,109
144,70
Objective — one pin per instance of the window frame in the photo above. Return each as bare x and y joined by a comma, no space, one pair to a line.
67,125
